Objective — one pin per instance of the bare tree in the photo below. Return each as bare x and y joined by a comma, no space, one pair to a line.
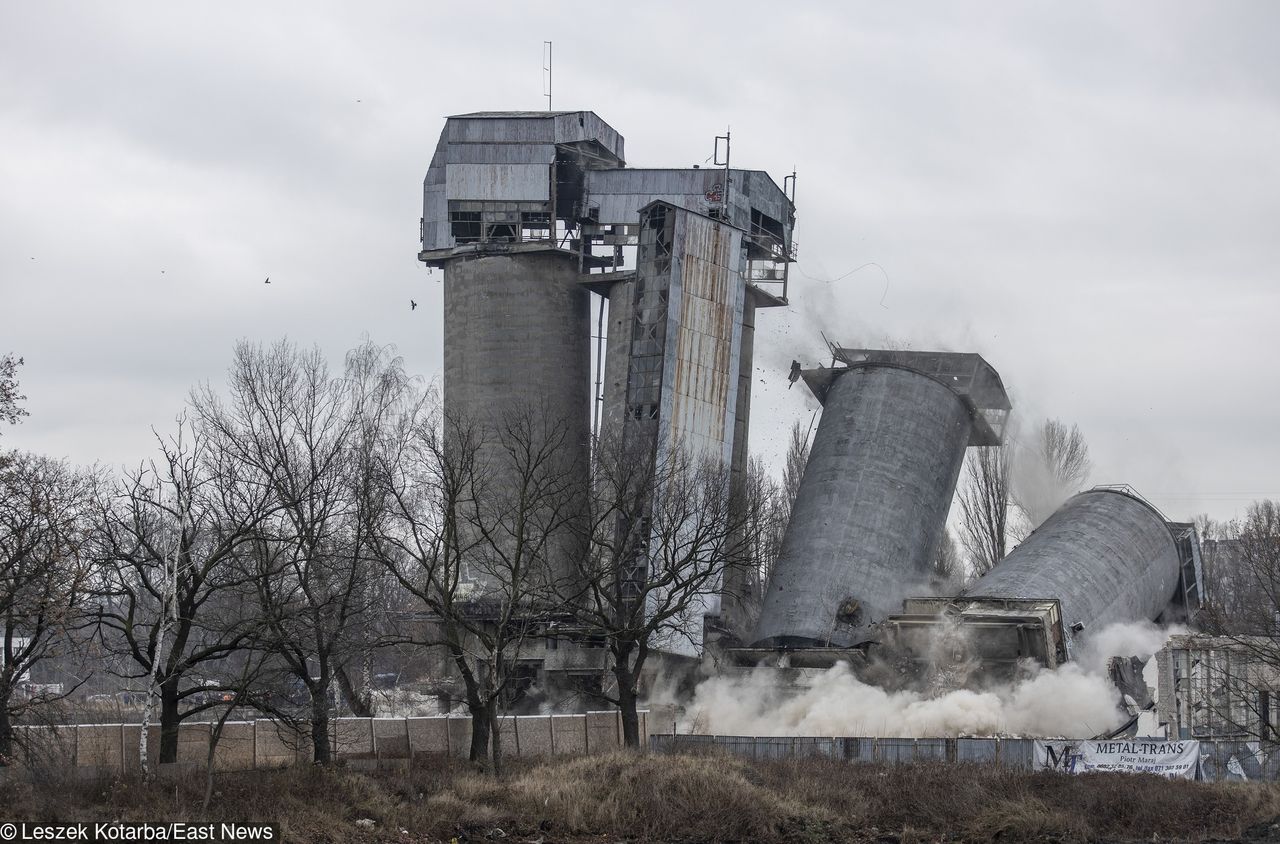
783,497
797,458
1241,666
44,505
10,410
762,506
662,536
985,506
170,596
480,534
947,572
308,438
1242,573
1051,468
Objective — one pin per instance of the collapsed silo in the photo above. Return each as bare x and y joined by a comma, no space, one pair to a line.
873,501
1105,557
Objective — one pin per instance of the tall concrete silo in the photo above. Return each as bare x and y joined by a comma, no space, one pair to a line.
529,214
500,206
517,337
1106,555
873,501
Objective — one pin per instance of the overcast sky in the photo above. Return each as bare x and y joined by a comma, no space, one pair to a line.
1087,194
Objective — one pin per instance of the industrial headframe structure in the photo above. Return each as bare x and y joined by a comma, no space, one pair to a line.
530,213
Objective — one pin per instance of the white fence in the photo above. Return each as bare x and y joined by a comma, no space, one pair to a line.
245,745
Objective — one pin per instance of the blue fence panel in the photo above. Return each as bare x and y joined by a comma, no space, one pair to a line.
806,747
1018,753
931,750
895,750
855,749
977,750
775,748
1219,759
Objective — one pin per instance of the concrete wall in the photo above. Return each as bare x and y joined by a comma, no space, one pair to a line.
517,340
246,745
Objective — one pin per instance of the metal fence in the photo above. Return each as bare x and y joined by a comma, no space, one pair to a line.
1219,760
1017,753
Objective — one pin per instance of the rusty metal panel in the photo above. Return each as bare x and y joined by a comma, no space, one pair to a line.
571,127
620,194
703,353
499,182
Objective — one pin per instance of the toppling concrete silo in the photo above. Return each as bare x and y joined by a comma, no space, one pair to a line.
1104,557
873,501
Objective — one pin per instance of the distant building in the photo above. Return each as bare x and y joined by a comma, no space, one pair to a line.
1219,687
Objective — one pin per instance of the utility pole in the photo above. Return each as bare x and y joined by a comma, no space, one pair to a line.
546,72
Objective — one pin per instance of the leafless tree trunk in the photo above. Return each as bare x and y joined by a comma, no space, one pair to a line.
311,440
479,535
170,598
985,506
947,572
663,533
44,525
1050,469
780,498
1244,613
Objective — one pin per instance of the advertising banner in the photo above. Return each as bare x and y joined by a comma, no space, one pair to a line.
1174,759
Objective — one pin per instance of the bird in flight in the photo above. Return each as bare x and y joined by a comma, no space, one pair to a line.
413,306
268,281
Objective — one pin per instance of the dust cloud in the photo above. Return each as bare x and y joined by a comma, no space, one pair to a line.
1075,700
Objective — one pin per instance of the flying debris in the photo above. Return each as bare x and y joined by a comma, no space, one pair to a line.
794,376
413,306
268,281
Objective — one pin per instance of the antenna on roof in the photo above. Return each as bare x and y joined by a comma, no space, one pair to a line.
546,72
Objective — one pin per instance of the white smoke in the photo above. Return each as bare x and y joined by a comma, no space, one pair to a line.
1141,639
1076,700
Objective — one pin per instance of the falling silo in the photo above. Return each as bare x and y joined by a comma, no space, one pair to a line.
1105,557
873,502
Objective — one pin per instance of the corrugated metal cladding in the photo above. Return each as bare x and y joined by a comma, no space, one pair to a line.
702,369
500,153
499,182
525,127
506,157
619,194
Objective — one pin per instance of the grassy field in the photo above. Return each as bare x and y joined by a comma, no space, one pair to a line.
622,797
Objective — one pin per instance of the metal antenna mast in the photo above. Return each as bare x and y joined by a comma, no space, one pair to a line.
546,72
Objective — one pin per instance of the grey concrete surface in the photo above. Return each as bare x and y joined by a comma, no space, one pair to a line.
871,507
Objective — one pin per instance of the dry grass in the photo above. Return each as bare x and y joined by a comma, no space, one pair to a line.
621,797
